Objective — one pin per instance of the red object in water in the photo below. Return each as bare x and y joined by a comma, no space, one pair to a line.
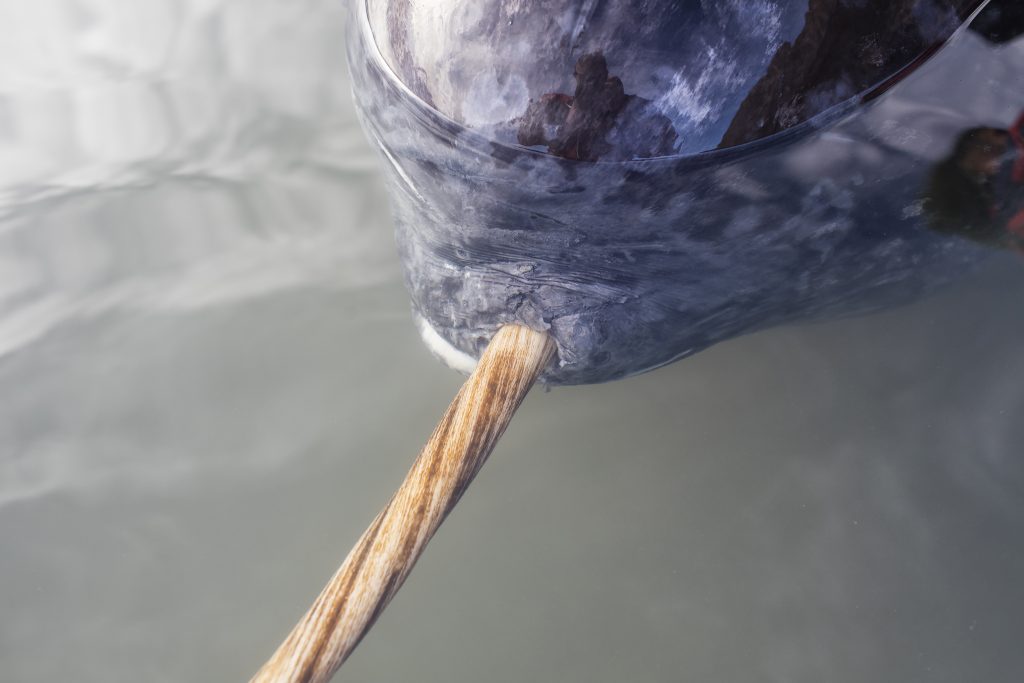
1017,135
1016,225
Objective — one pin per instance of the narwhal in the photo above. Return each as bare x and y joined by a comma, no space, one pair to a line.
585,190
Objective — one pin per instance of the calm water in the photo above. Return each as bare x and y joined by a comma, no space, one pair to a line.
210,383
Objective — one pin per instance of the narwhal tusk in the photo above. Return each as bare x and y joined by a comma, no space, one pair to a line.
385,554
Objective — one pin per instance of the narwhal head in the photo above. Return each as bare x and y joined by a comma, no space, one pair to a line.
643,180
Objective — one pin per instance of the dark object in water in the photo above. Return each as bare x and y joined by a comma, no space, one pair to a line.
632,262
961,197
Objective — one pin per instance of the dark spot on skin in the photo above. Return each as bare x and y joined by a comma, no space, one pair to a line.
578,126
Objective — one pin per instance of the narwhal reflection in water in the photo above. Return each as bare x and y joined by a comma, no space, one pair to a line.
618,185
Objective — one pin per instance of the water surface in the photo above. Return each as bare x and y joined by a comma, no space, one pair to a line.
210,383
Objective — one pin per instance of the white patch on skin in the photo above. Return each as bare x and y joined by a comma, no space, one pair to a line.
449,355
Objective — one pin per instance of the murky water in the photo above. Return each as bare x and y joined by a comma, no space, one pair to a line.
210,383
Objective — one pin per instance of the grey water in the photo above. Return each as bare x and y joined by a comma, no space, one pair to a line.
210,382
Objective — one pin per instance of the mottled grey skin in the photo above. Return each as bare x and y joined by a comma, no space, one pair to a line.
635,264
723,72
